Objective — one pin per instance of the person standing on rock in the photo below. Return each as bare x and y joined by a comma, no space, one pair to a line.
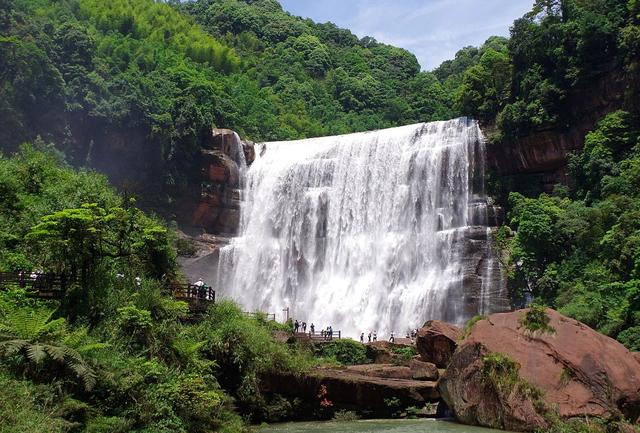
312,328
296,326
391,338
369,337
362,338
375,336
304,326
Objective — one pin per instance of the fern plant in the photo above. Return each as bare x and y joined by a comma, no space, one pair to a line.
34,337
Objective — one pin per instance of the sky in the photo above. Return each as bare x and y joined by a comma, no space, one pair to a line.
433,30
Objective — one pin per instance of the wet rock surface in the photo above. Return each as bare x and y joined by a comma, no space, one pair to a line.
579,371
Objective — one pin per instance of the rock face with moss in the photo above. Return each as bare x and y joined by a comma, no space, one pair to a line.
437,341
518,370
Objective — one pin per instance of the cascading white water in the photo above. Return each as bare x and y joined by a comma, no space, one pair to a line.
360,231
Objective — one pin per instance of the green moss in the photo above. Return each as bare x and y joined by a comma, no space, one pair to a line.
405,353
468,327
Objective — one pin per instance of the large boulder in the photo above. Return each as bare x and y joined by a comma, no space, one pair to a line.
579,372
474,400
421,370
368,390
388,371
437,341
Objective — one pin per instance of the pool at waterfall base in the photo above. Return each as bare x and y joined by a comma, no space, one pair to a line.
375,426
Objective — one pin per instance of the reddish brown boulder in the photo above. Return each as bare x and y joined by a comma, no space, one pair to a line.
437,341
580,372
421,370
637,356
473,401
389,371
351,390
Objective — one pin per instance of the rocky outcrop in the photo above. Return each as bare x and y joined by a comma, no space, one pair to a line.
474,401
437,341
387,371
484,287
421,370
356,388
578,371
416,370
544,154
216,208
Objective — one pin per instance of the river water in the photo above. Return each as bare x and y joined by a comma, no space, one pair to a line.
376,426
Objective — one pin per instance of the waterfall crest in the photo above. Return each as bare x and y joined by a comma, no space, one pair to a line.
366,231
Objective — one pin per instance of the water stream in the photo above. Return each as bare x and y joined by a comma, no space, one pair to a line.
363,232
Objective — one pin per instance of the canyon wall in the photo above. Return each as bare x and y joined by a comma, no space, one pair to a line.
541,157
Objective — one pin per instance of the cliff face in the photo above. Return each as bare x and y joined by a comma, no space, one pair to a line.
543,155
213,204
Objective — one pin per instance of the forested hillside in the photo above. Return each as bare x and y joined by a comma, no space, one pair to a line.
132,87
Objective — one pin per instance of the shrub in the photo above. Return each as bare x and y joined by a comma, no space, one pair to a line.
405,353
536,320
347,351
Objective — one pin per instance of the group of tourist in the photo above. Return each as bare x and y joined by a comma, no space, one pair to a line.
372,336
301,327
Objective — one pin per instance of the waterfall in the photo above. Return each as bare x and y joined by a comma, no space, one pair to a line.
364,232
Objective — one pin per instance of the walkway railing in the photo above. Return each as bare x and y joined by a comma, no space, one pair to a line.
199,297
54,286
270,317
319,336
189,292
43,285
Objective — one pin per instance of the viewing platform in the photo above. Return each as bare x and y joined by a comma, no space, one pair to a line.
47,285
41,285
318,336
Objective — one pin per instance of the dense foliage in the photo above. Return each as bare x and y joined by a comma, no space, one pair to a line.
579,250
556,51
117,353
130,87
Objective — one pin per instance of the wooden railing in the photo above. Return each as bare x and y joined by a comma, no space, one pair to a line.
192,292
42,285
270,317
54,286
319,336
